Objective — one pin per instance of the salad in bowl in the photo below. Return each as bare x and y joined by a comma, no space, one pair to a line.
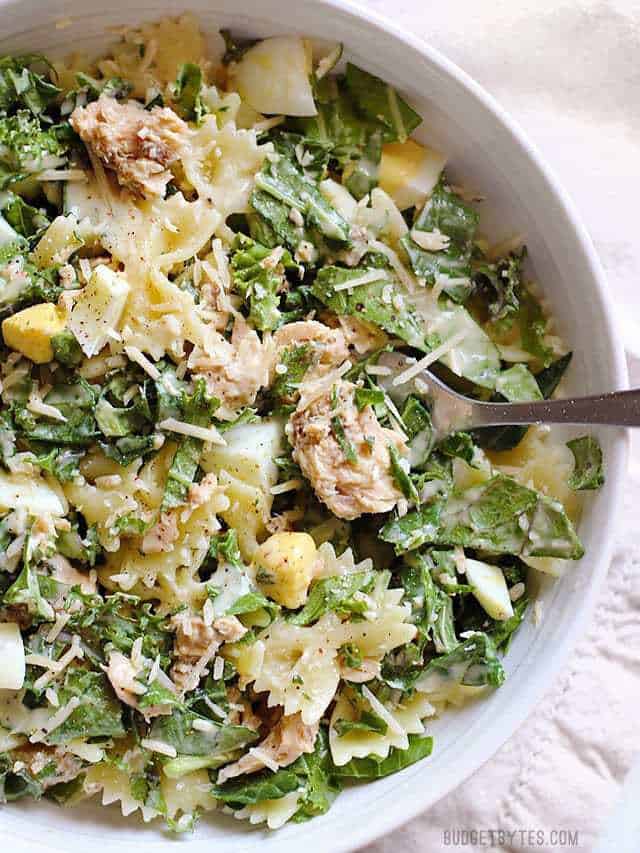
240,568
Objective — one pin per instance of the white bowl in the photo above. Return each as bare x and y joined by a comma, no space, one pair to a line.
488,152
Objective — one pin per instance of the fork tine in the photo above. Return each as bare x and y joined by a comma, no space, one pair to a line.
450,411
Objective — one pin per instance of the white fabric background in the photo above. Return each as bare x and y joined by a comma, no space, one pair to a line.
569,72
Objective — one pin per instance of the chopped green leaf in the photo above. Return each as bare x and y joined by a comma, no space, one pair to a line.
224,546
371,301
341,594
380,102
367,722
187,92
472,662
506,438
517,384
499,517
258,275
353,140
533,327
22,87
445,213
265,785
340,436
26,590
177,730
99,713
111,87
368,397
66,349
283,186
26,148
587,472
458,445
16,782
351,655
184,466
501,281
27,220
63,463
401,475
374,767
285,389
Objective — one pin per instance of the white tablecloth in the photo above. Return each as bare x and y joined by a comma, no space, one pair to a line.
569,72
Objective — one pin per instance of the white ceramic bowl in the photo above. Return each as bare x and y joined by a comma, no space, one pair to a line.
489,153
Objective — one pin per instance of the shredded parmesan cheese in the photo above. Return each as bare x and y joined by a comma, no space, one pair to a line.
378,370
158,746
422,364
63,175
136,355
398,267
205,433
460,559
287,486
41,660
58,625
61,715
382,712
52,697
203,726
220,712
366,278
36,406
136,653
312,390
208,613
397,417
430,241
155,670
218,668
55,667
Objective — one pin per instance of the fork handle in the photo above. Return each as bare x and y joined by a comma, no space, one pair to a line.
620,408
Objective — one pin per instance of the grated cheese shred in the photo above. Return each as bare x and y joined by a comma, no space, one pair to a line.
210,434
158,746
136,355
413,370
366,278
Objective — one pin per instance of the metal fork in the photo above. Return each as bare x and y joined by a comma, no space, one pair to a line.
452,412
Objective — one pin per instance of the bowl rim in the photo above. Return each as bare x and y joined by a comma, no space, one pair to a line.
416,799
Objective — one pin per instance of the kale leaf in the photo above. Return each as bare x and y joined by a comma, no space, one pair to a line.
26,147
220,740
473,662
587,472
187,93
282,186
445,213
371,301
499,517
380,102
373,767
22,87
99,713
259,281
337,594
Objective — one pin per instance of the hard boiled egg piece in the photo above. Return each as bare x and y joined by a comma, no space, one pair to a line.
490,588
12,670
